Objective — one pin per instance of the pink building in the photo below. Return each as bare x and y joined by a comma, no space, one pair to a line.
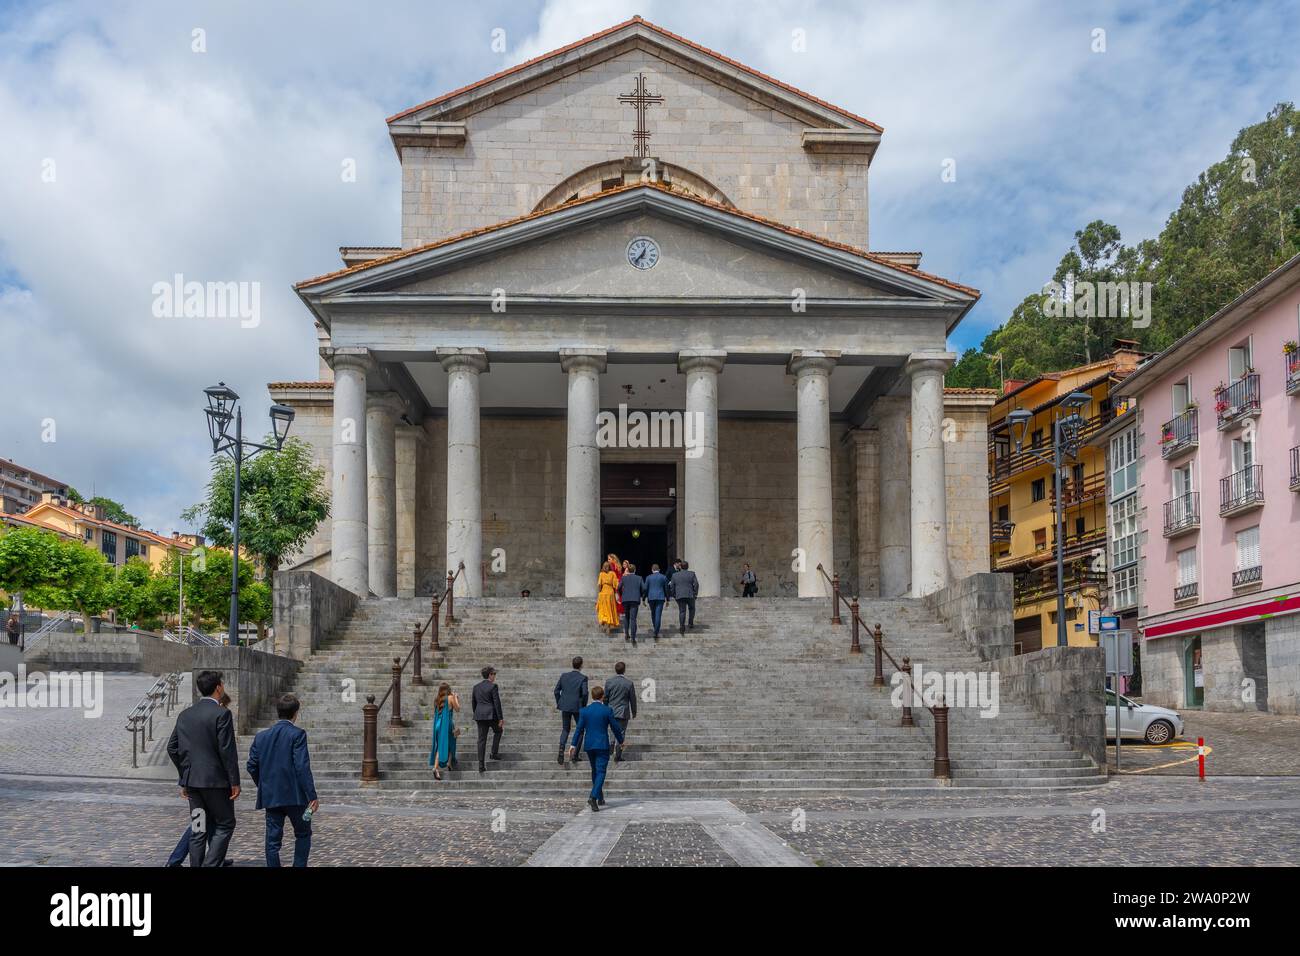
1219,485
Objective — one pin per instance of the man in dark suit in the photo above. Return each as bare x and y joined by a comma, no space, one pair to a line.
620,697
632,589
280,766
570,698
595,723
656,593
202,746
686,587
485,701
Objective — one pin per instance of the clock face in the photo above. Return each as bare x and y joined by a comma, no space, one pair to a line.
642,253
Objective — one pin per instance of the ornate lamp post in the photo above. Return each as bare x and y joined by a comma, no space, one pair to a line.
1066,432
221,411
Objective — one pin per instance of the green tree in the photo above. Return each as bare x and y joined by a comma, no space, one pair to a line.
78,579
282,501
28,557
207,585
113,510
134,593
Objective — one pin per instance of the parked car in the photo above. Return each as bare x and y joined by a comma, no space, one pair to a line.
1155,725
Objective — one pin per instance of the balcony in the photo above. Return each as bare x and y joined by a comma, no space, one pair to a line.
1241,491
1001,530
1247,577
1180,434
1004,462
1292,373
1075,493
1183,514
1186,592
1040,584
1236,402
1295,468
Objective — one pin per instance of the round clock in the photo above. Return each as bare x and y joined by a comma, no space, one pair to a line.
642,253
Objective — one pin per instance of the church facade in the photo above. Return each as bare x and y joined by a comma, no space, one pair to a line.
635,309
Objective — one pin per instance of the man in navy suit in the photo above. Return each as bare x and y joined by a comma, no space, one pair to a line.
632,589
595,722
280,766
570,697
656,594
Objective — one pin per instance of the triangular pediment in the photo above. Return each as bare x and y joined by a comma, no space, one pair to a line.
580,249
634,34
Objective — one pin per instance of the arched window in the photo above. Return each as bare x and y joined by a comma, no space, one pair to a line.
610,174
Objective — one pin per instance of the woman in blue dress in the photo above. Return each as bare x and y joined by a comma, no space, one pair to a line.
443,752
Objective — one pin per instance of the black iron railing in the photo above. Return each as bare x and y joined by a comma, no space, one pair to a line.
1237,400
1001,530
1292,372
1185,592
1183,513
1295,468
1180,433
1248,576
1241,489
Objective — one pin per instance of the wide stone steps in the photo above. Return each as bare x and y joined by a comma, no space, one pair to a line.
762,697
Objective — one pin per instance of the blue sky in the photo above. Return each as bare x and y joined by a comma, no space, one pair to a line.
226,163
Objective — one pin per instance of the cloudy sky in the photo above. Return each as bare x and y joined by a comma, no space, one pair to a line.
128,157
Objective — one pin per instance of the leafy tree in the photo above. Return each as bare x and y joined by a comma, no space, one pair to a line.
28,557
282,501
207,585
78,579
134,592
113,510
974,370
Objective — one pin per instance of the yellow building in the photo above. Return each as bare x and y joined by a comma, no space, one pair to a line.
117,542
1022,498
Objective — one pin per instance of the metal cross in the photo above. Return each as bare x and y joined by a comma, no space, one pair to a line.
641,99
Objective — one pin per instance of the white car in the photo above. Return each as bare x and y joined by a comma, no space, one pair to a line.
1155,725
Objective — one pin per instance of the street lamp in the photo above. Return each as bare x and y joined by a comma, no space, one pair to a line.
222,409
1066,433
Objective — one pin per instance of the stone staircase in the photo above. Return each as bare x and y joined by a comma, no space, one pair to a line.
762,698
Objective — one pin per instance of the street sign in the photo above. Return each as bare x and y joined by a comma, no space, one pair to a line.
1108,622
1118,647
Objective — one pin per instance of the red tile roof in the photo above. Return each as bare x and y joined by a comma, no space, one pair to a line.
320,385
729,210
662,32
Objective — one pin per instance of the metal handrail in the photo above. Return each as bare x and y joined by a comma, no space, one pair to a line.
370,710
139,721
942,763
46,629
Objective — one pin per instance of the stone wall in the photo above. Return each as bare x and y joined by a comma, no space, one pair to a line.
978,609
1283,637
966,478
138,651
253,679
1162,673
523,504
307,609
1066,685
521,149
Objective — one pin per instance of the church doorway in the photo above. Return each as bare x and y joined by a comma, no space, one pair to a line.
638,512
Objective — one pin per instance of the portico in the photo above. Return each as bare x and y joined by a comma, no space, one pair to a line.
471,368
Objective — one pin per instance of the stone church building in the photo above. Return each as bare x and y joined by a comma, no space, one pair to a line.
636,309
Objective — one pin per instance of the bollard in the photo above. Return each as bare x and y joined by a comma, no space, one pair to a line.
433,628
941,763
907,693
879,639
854,647
451,585
416,678
835,599
369,740
396,719
1200,757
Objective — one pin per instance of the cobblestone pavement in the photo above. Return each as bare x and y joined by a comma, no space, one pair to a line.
61,740
1148,820
1249,744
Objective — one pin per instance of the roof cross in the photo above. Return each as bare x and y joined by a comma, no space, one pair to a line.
642,100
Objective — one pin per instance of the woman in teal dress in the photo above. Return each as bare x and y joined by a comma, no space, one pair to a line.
443,752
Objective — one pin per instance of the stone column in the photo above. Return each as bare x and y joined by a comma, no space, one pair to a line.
410,447
382,409
929,488
812,384
464,473
349,551
702,545
895,489
582,472
866,510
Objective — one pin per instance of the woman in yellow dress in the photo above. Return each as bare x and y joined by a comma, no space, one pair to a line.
606,606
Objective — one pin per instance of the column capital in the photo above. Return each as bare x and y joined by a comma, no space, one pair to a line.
691,359
358,358
415,433
929,361
813,360
385,401
582,358
472,358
